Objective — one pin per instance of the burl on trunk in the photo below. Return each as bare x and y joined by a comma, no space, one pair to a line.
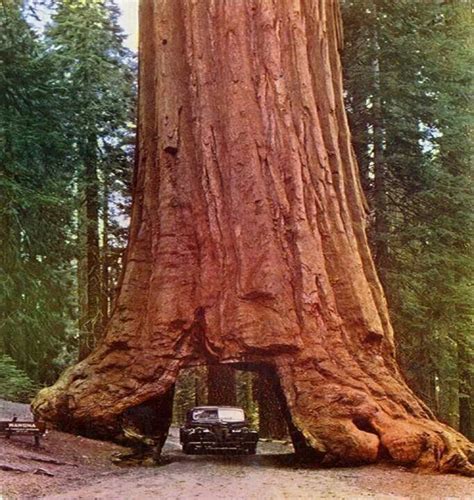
247,240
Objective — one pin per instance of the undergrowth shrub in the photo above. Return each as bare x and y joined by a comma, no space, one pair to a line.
15,385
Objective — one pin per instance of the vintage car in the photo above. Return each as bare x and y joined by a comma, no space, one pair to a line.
217,428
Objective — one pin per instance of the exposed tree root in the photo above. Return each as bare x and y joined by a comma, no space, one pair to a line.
330,425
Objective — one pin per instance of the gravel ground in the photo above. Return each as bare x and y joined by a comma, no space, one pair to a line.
84,471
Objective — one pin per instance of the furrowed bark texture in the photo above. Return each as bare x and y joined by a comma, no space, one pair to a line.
271,421
221,385
248,242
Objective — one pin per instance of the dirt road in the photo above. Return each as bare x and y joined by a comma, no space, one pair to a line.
266,476
84,471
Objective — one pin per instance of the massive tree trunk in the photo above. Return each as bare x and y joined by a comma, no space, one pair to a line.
247,241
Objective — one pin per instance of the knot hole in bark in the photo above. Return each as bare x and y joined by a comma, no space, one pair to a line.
172,150
373,337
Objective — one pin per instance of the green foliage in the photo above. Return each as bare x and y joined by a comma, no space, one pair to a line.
86,43
35,215
94,67
15,385
58,94
413,59
190,391
246,397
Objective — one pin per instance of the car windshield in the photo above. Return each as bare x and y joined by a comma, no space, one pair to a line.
205,414
231,414
224,414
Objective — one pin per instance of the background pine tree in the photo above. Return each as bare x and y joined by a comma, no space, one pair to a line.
96,70
408,75
35,208
67,140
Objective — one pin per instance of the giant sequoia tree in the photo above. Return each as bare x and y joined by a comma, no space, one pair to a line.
247,241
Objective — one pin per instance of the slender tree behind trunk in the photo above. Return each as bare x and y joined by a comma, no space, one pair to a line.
448,383
246,396
359,123
10,247
200,386
271,419
221,385
380,170
92,323
105,298
424,382
247,241
81,271
466,391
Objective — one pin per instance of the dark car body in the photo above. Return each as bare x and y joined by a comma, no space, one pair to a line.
217,428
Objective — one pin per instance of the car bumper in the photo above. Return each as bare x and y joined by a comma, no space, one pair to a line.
221,444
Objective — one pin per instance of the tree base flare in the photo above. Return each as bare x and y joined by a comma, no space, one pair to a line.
330,424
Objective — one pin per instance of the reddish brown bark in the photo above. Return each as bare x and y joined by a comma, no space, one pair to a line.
271,419
247,241
221,385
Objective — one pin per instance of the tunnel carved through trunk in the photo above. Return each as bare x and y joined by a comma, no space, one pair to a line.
247,239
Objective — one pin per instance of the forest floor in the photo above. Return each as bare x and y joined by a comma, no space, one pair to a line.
72,467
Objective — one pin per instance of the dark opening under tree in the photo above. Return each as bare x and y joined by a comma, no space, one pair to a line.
247,241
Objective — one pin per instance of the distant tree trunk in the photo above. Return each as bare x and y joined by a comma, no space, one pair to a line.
221,385
247,241
448,384
200,393
379,168
93,314
359,126
81,274
424,383
271,419
466,391
10,247
105,298
245,394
